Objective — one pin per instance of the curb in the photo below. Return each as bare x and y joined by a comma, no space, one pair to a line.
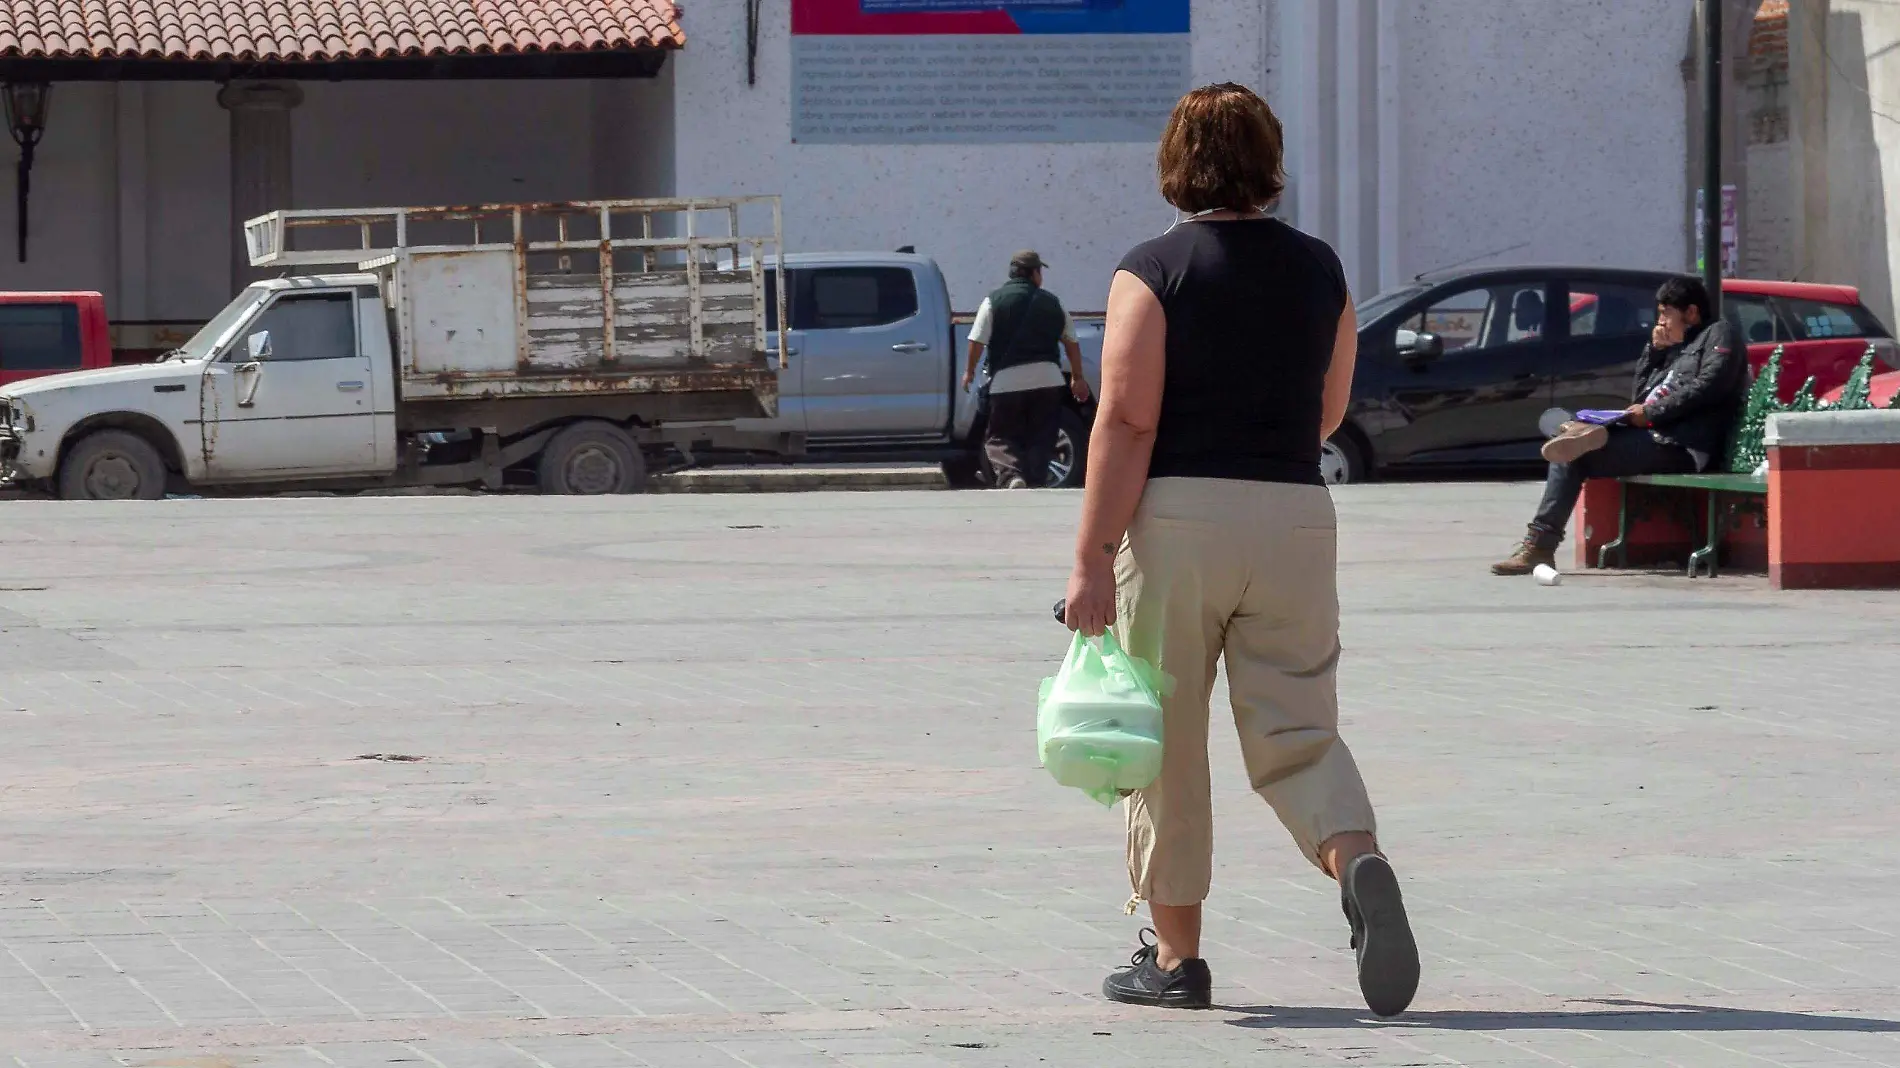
799,479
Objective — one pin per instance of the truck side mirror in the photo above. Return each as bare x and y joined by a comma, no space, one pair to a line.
258,345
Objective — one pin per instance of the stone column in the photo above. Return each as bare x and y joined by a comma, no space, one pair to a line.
260,158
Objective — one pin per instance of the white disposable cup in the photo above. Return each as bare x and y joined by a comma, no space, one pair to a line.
1548,575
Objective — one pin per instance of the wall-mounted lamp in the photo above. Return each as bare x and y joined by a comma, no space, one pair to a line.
26,121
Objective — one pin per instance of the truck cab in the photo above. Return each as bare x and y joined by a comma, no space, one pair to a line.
292,377
52,333
874,364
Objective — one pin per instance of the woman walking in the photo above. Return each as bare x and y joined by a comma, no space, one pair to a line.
1208,533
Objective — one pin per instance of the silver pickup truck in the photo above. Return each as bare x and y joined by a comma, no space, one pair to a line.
873,367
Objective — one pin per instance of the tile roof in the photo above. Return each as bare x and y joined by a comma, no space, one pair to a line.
325,30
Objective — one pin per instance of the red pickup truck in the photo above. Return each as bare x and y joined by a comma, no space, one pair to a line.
48,333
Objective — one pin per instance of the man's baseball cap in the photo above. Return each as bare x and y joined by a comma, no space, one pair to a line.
1026,261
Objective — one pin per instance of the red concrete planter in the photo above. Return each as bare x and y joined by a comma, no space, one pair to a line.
1834,500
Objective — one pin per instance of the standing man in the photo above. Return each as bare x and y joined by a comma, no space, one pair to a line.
1021,324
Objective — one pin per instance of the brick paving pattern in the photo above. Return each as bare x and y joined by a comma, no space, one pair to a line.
749,781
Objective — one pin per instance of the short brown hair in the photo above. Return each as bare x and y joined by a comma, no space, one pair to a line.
1222,149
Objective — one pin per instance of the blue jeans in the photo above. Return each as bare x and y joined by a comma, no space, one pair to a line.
1630,451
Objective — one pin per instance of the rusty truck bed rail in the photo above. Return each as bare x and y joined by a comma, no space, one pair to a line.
512,299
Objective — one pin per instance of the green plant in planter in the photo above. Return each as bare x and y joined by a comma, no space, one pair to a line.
1746,450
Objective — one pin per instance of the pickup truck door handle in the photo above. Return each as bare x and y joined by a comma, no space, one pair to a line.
349,387
248,376
910,346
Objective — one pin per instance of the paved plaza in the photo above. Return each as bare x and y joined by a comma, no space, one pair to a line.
749,781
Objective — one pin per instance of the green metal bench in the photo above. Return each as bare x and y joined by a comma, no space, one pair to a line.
1747,454
1753,486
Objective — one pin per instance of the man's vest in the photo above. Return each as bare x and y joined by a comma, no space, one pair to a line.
1025,325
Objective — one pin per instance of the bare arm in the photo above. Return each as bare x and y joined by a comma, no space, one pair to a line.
1133,345
1078,382
969,370
1338,392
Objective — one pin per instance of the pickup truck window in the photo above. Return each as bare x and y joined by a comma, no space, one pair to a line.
39,337
840,298
309,326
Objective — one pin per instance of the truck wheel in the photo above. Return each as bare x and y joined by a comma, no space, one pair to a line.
1068,465
112,465
592,457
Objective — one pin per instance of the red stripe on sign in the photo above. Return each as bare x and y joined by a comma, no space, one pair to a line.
846,18
1873,575
1836,457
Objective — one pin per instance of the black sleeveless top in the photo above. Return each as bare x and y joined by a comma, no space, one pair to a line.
1252,308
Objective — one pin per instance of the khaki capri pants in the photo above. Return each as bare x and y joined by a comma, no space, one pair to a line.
1245,571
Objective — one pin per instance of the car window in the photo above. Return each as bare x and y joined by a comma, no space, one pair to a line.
1608,310
1819,320
1484,318
1755,320
838,298
1385,302
39,337
307,326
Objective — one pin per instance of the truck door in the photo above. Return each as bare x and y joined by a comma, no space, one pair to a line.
791,376
304,407
874,364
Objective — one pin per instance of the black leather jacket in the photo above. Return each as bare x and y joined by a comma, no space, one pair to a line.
1706,375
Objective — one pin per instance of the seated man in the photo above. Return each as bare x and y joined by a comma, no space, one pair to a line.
1689,386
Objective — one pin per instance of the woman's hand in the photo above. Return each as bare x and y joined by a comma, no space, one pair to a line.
1092,596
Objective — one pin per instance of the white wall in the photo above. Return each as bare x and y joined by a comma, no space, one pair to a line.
1768,230
1081,206
1551,123
379,144
187,274
73,211
1853,229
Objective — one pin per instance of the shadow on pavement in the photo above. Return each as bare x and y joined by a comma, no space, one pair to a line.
1620,1015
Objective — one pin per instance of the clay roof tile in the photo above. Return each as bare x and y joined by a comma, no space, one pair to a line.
293,30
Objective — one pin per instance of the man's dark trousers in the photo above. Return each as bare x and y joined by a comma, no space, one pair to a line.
1022,433
1629,451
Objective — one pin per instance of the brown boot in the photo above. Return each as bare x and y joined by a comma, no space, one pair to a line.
1525,560
1573,440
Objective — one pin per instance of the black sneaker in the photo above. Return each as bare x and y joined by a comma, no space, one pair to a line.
1189,986
1387,954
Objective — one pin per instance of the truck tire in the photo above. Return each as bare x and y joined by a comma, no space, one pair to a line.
1068,466
112,465
591,458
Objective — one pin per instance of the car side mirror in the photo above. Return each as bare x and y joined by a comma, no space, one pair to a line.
258,345
1419,348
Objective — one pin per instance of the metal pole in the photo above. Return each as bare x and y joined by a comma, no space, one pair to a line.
22,185
1712,150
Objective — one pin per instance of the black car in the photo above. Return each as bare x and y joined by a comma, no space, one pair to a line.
1457,368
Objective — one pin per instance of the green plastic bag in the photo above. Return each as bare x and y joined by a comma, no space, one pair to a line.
1098,720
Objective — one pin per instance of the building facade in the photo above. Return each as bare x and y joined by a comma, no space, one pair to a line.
1420,134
